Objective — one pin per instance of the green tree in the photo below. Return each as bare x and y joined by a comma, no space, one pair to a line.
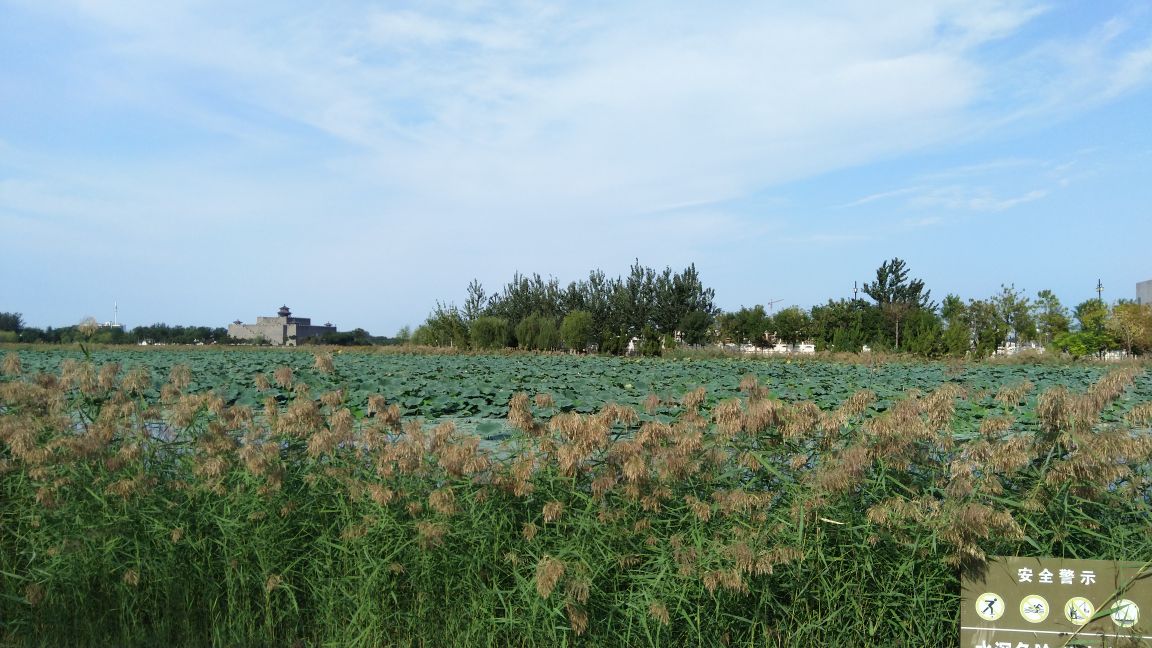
33,334
896,295
355,337
1051,316
1016,312
892,286
1091,336
1091,316
537,332
650,342
675,296
13,322
988,329
594,295
548,338
522,297
1131,324
488,332
404,335
745,325
923,334
476,302
620,307
792,325
576,330
613,344
1074,344
160,333
444,327
696,327
844,325
633,299
527,330
957,335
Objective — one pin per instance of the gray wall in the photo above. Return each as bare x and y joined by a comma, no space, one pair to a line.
1144,292
279,330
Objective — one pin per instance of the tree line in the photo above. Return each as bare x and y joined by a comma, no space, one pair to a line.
13,329
534,313
659,310
649,311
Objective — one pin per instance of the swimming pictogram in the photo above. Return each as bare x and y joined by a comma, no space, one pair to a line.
1034,608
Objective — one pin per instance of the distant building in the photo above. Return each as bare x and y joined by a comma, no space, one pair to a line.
282,330
1144,292
1012,348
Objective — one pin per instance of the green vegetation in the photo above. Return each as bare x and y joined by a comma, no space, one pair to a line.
649,313
609,312
12,329
148,500
436,386
576,330
663,309
90,331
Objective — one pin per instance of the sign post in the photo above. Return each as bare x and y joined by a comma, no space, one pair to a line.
1057,602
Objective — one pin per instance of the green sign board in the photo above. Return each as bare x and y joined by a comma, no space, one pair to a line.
1056,602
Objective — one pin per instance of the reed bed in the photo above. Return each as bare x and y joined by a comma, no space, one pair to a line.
188,522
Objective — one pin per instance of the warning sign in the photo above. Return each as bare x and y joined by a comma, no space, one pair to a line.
1050,602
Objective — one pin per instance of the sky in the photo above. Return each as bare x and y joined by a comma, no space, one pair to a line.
198,162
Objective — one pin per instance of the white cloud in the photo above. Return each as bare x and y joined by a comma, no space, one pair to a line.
1060,76
653,108
1133,70
630,129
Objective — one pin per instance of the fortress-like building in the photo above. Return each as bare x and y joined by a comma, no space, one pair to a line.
282,330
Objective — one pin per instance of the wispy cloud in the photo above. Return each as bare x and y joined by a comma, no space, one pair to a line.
560,103
951,197
883,195
1064,75
826,238
927,221
992,186
609,130
979,199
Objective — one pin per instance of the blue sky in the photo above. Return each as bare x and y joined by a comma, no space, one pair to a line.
200,162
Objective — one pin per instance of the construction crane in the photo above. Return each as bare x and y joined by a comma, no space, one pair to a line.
774,301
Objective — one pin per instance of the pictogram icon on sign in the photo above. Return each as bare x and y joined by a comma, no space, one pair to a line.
1034,608
990,606
1125,613
1079,610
